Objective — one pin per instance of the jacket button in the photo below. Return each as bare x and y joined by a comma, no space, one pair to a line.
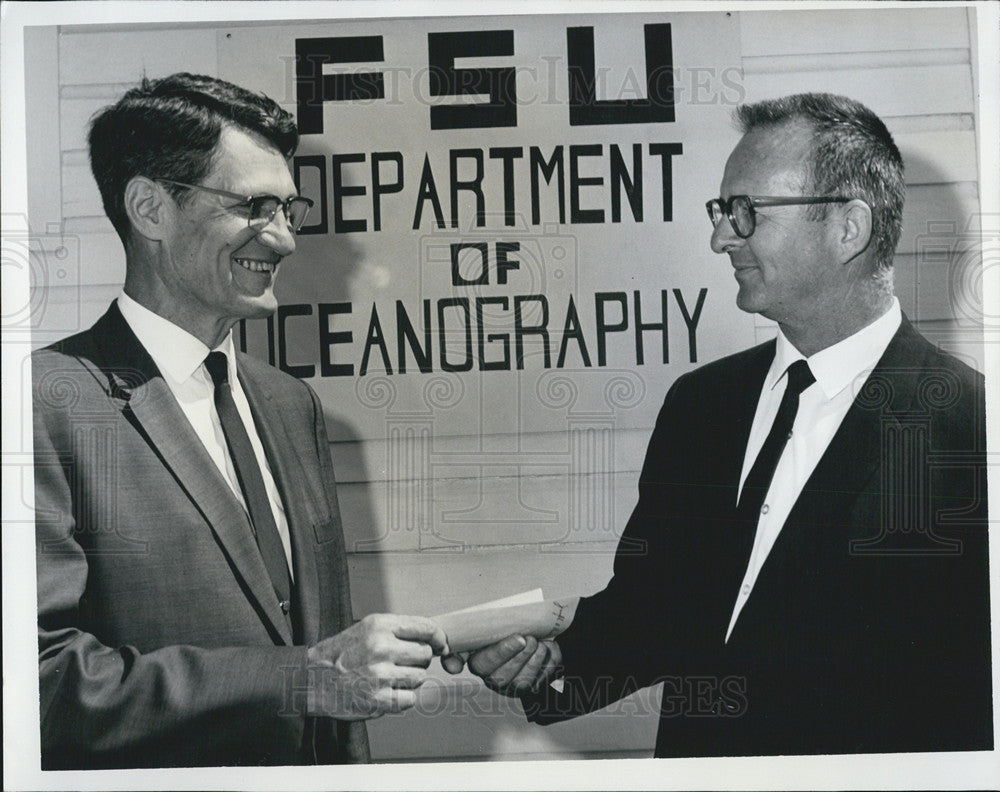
285,606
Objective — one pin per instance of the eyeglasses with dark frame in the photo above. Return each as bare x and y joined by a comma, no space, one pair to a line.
742,214
261,209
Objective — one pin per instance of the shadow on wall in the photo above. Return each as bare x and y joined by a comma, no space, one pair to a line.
943,247
323,269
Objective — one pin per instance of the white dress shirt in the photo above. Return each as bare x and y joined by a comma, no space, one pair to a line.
840,371
180,357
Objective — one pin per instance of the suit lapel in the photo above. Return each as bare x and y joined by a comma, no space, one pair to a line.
856,451
821,525
735,387
146,401
288,474
750,383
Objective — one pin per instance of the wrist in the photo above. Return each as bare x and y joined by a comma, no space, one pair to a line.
317,671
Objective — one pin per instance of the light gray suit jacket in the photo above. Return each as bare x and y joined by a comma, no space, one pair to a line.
161,641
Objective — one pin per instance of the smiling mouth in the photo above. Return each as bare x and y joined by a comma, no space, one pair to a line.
255,265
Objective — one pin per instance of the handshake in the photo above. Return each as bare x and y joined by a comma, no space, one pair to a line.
377,666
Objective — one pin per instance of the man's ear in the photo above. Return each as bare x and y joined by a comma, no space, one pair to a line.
855,229
146,208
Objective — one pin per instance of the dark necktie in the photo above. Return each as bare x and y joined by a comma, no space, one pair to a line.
758,480
251,480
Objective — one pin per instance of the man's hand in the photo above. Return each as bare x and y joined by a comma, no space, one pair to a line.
372,668
516,665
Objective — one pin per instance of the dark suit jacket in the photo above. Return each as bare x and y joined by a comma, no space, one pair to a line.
161,641
868,629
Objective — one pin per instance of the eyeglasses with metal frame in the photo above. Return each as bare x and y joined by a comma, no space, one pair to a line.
742,209
261,209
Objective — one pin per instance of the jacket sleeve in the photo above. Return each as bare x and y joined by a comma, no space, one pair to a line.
351,737
611,649
114,706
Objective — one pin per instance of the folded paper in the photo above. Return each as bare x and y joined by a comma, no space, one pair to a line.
475,628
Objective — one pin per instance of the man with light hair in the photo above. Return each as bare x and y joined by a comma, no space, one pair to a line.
806,570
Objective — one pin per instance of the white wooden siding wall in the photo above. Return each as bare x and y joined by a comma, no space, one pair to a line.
917,77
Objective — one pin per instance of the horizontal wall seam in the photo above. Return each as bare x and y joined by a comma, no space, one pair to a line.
833,61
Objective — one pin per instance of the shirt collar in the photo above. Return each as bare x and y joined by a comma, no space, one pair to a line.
176,353
837,366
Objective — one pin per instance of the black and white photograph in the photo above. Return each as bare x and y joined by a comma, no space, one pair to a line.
500,395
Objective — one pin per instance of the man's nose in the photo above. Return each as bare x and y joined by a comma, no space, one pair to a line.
724,237
278,235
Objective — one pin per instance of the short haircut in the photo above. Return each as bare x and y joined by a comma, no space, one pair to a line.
853,155
169,128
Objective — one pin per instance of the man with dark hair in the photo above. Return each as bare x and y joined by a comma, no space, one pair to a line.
193,600
806,570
